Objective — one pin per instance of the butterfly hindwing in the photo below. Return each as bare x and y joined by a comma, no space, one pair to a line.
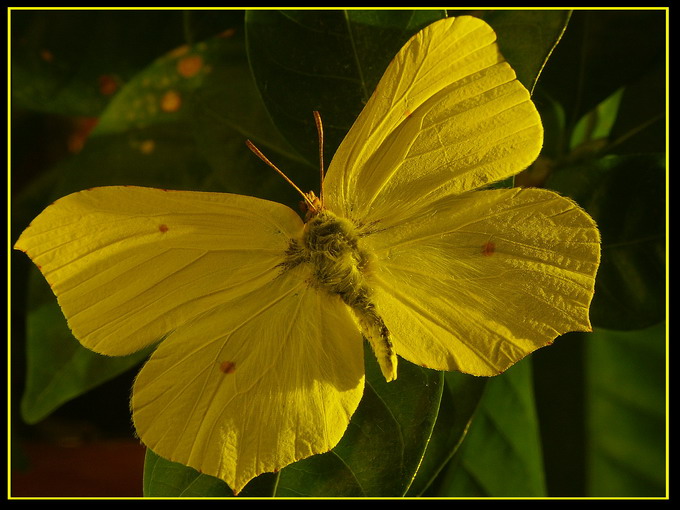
255,384
477,281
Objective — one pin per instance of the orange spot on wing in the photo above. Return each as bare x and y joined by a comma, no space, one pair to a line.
227,367
488,249
407,113
163,228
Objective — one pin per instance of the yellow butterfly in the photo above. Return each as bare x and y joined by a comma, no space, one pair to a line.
262,315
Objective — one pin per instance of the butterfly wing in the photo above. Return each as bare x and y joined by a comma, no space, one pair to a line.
130,264
466,280
257,369
447,116
477,281
260,382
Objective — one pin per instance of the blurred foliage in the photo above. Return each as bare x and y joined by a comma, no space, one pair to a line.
625,413
167,98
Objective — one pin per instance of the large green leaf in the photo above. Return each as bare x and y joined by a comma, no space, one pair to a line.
58,368
626,412
527,38
559,395
626,195
501,455
331,62
163,478
73,61
461,396
591,132
208,85
600,52
379,454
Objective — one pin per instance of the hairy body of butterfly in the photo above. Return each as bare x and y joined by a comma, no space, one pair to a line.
330,245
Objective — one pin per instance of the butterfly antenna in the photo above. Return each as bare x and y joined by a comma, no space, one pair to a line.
319,130
259,154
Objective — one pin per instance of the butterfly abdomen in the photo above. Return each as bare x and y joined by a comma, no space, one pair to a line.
341,267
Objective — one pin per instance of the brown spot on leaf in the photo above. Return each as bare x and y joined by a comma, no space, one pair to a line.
82,127
46,55
163,228
227,33
179,51
147,146
171,101
107,85
190,66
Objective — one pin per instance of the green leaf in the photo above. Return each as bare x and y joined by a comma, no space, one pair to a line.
331,62
204,97
601,51
200,144
559,395
461,396
527,38
501,454
595,127
59,368
626,195
640,125
73,61
379,454
626,412
163,478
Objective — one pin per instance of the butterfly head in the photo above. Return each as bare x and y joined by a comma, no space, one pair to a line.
311,205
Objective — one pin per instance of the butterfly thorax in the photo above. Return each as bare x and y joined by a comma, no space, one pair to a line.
330,245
